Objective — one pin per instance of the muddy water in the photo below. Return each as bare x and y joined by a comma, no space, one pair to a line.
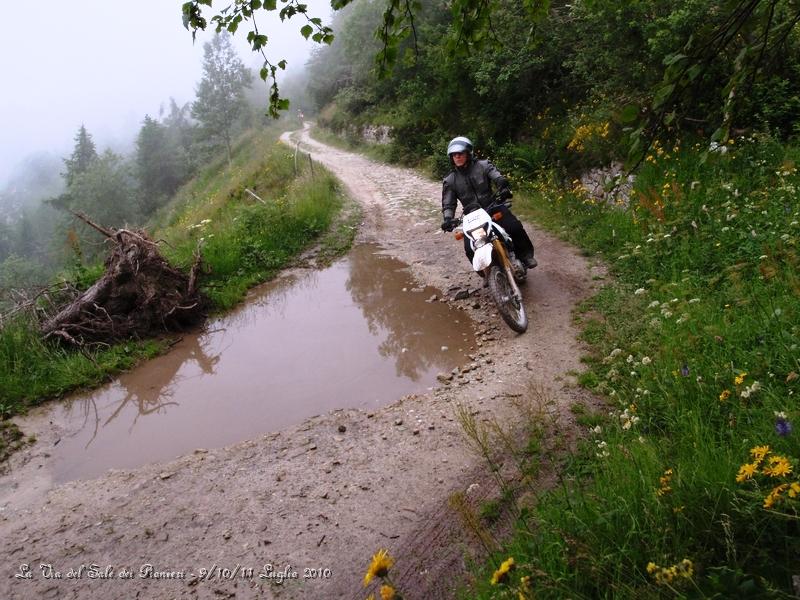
357,334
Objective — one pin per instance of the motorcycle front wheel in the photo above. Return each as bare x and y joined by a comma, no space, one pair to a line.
511,309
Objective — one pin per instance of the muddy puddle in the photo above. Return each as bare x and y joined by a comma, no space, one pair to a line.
355,335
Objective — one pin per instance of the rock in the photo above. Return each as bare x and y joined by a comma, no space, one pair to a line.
415,432
433,298
342,428
461,295
444,377
165,475
398,422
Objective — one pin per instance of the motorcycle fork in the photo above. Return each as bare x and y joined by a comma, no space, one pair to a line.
500,249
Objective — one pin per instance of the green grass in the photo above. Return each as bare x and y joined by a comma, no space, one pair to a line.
695,344
243,242
34,369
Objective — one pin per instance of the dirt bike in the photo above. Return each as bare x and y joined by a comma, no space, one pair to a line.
495,259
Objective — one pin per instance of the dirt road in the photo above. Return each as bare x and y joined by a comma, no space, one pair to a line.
298,514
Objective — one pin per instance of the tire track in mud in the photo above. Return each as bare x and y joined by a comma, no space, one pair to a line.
336,488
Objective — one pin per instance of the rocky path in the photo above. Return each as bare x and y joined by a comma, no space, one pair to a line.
298,514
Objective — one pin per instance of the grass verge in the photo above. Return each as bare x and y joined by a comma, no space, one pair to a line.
688,487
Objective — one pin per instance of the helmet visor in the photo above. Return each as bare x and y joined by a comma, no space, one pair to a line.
456,147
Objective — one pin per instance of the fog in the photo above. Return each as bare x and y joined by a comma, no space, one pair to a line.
106,64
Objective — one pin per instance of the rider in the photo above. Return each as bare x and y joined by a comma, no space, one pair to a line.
470,182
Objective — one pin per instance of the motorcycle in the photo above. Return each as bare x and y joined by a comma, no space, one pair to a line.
495,259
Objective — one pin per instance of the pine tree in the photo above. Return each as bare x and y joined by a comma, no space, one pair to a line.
221,93
160,165
82,156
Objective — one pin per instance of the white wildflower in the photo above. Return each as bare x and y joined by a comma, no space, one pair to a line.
646,360
640,291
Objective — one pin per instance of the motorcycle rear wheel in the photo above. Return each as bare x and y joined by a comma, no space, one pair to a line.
512,310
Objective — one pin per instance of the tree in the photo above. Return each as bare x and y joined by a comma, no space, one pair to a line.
160,165
221,93
471,19
82,156
106,192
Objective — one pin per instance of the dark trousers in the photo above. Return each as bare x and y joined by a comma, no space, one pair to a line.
523,247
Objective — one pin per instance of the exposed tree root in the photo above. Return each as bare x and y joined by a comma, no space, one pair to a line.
139,294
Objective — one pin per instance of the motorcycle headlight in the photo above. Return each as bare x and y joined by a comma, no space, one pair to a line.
478,233
478,237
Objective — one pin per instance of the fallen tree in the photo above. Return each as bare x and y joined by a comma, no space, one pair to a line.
140,294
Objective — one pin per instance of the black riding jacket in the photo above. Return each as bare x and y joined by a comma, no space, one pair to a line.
472,185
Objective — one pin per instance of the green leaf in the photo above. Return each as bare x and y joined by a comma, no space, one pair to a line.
270,4
629,113
306,30
694,71
662,94
671,59
282,64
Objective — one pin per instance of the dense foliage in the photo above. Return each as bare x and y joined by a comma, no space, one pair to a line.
599,70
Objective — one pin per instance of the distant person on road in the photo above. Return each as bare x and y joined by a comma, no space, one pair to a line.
470,182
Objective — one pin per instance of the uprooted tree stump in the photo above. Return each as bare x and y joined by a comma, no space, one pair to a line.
139,295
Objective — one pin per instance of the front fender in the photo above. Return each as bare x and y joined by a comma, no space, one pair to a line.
482,258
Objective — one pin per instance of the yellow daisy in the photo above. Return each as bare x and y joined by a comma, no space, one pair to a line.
387,592
779,466
746,472
379,567
758,453
501,574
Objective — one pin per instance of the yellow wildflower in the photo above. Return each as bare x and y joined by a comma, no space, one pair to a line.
666,575
775,494
758,453
379,567
794,489
746,471
387,592
724,395
664,482
739,379
501,574
779,466
686,568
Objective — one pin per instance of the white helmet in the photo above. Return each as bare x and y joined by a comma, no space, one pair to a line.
459,144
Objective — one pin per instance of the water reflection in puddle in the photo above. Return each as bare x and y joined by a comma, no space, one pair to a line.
345,336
